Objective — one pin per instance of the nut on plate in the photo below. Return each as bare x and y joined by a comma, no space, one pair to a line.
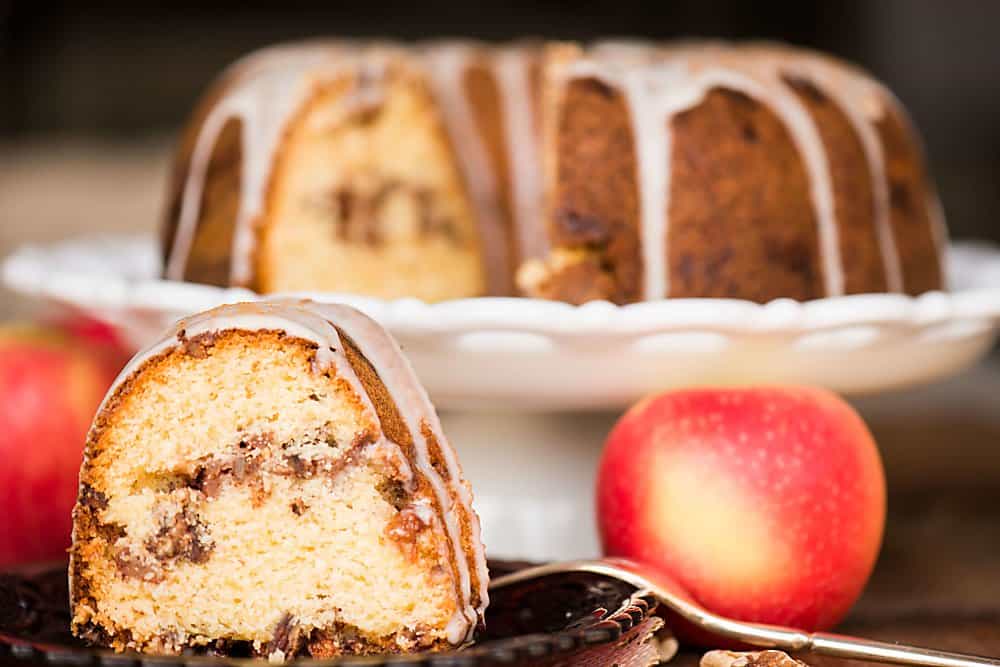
749,659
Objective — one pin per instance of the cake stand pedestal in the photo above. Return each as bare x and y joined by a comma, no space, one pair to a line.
533,479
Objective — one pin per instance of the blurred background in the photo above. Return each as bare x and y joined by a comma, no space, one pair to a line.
93,93
92,96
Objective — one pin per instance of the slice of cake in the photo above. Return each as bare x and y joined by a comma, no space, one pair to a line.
271,479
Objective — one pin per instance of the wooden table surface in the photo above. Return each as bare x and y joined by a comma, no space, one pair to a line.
937,582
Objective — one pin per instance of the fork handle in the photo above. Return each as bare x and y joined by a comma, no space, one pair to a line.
854,648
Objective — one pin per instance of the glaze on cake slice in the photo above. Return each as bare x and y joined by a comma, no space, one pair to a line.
270,479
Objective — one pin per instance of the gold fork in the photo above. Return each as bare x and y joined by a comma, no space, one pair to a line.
673,598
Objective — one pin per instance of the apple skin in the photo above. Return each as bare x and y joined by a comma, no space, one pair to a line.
51,383
766,504
97,336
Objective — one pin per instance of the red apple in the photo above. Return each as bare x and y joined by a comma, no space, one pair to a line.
766,504
51,383
98,336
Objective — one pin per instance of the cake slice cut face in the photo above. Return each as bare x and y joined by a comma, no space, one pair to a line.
270,479
324,167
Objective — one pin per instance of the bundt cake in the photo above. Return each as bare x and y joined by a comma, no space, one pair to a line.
270,479
623,171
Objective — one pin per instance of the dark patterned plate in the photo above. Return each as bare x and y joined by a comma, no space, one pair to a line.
528,624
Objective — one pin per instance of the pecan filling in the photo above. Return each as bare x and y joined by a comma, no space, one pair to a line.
372,211
406,527
289,638
180,536
256,456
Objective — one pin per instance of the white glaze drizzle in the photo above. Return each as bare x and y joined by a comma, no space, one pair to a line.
512,71
935,210
263,91
318,323
645,87
447,63
414,406
649,88
861,100
880,186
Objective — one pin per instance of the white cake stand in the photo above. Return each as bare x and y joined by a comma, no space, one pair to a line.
528,389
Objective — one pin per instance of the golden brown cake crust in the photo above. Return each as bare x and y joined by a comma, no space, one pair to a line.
853,197
485,97
741,214
182,165
910,194
86,521
210,259
594,197
580,277
775,180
